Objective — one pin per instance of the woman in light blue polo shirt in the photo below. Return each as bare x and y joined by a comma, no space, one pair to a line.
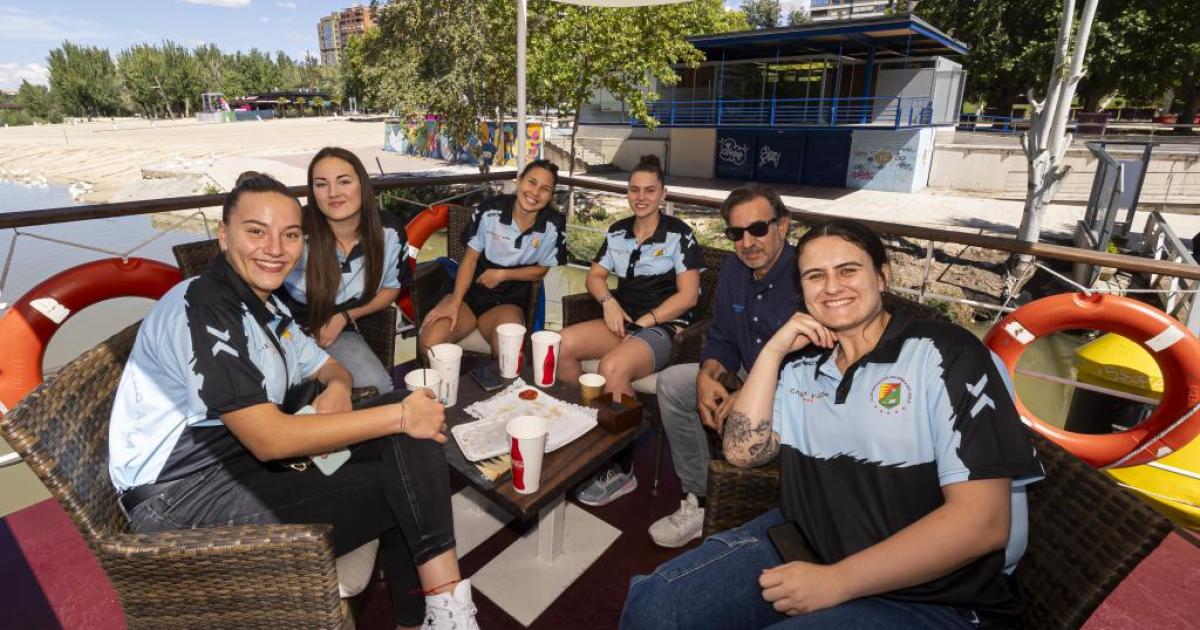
205,414
657,263
355,262
511,241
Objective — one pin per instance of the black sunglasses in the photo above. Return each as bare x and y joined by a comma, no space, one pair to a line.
758,229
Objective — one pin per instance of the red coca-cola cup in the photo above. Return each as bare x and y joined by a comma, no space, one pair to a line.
527,445
546,344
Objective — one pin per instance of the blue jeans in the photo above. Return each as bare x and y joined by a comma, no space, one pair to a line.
352,351
716,586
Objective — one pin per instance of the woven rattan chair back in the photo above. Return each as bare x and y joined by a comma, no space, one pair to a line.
1085,535
193,258
61,431
456,221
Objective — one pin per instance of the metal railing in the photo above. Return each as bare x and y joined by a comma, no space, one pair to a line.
1170,267
883,112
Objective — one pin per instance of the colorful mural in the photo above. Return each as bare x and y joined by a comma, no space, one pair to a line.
423,138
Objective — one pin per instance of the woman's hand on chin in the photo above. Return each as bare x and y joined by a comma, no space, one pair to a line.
797,333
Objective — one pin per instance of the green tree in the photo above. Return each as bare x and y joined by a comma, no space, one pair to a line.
141,69
353,67
627,53
210,64
183,80
458,59
797,17
36,101
83,80
762,13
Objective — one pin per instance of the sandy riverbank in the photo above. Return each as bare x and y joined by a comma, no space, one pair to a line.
136,159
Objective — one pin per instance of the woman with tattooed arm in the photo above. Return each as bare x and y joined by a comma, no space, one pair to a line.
891,433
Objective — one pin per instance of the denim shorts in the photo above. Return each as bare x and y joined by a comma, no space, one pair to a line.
659,340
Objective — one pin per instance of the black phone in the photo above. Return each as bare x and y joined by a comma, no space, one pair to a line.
487,377
791,544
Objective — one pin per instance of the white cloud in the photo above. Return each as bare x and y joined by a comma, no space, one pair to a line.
285,4
228,4
264,19
11,74
18,24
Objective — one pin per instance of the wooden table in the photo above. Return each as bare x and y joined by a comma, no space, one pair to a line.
561,470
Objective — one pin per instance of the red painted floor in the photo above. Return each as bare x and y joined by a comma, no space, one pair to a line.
51,580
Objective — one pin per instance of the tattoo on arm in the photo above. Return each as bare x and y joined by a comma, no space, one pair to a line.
748,442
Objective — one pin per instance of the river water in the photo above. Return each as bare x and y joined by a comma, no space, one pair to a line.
34,260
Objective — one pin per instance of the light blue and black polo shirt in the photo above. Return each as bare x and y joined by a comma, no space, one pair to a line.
396,271
209,347
502,245
865,454
646,271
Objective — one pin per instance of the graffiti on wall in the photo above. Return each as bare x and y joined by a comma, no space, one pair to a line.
424,138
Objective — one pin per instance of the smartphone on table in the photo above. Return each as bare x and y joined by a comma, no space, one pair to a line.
488,377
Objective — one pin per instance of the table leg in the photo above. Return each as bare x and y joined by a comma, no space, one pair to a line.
552,521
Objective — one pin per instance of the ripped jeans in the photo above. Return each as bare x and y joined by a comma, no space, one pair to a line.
716,586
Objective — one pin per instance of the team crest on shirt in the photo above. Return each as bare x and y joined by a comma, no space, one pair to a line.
891,395
287,335
658,252
537,242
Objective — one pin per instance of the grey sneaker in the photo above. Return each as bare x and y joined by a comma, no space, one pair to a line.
681,526
451,611
607,487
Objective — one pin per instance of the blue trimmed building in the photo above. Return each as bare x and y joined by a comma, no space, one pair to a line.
854,103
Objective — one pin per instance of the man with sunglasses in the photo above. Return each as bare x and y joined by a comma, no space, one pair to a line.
757,291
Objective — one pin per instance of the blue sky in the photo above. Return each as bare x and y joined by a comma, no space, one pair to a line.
30,29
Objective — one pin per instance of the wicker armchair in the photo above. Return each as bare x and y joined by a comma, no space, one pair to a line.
378,329
430,281
685,347
248,576
1085,533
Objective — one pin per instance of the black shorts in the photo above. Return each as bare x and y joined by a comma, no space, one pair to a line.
480,304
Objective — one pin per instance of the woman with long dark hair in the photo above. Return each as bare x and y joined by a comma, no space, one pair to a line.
355,262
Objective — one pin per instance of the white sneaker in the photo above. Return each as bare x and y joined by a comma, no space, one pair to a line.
680,527
451,611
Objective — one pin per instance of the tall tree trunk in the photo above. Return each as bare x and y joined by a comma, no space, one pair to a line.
1047,140
1188,91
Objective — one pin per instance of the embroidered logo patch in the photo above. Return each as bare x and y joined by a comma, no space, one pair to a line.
658,252
537,242
891,395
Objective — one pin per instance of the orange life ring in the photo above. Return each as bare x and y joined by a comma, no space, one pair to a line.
417,231
1174,347
26,329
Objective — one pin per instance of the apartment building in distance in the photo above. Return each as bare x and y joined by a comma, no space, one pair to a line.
335,29
822,10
